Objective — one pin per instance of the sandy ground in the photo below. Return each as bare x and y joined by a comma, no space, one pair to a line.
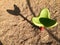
17,29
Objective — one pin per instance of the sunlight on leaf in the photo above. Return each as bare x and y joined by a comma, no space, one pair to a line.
44,13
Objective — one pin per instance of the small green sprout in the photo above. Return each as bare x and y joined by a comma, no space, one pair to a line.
44,20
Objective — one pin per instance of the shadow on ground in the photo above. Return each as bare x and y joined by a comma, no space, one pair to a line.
1,43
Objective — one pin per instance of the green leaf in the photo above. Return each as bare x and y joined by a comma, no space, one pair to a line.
43,20
44,13
48,22
36,21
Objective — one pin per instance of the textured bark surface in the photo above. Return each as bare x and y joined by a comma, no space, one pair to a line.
18,30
